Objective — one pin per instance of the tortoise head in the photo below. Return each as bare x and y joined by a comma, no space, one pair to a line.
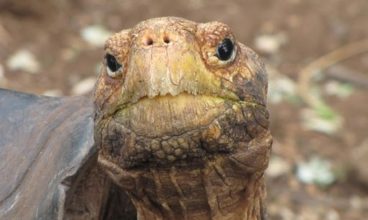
179,99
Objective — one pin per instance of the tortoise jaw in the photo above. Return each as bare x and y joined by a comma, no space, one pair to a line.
214,126
172,130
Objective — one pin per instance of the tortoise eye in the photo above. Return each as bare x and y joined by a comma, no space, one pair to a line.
114,68
225,50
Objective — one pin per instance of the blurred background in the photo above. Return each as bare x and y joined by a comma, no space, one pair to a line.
316,54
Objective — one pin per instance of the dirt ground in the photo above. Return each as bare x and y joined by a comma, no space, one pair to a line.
309,29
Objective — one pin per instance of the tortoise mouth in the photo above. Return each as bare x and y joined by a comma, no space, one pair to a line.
168,115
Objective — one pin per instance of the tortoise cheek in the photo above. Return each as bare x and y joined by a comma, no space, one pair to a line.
107,91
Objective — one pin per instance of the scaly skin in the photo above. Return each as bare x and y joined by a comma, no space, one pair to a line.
183,133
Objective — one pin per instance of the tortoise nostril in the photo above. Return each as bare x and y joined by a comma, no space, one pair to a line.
166,39
148,41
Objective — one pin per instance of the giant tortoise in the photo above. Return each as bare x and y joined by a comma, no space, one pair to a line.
176,128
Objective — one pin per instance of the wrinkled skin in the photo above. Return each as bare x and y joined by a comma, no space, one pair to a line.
184,133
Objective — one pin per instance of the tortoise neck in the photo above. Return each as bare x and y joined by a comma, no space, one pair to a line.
169,195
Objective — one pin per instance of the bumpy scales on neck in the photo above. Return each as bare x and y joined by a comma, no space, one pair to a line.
181,121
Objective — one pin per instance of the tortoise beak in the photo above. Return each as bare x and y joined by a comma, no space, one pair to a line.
153,72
